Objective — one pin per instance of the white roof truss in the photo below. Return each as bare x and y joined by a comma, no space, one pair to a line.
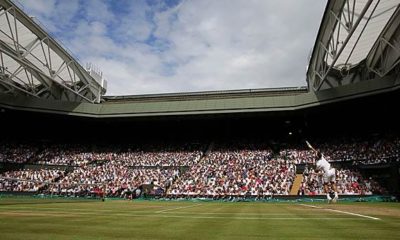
32,62
352,32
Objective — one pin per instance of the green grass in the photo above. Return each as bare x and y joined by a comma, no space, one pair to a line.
72,219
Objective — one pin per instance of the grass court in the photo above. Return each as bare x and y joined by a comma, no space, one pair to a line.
29,218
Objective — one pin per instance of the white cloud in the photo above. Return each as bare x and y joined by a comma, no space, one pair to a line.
135,26
96,10
197,45
42,7
65,12
55,15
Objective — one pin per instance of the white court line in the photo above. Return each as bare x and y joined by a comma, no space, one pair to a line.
96,212
339,211
354,214
73,210
66,214
134,209
170,209
249,218
241,213
307,205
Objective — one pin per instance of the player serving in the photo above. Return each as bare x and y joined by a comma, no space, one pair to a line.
324,168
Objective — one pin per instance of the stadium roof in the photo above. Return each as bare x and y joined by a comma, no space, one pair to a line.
356,54
33,63
352,33
205,103
208,95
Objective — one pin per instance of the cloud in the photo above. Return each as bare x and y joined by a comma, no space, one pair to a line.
95,10
42,7
137,24
56,15
188,45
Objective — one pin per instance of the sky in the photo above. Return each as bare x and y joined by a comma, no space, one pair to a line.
169,46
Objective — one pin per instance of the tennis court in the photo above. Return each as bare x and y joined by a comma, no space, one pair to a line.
89,219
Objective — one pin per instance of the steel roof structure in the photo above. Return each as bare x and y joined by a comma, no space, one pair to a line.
33,63
358,40
356,54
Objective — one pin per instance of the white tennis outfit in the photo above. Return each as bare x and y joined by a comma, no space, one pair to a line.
329,172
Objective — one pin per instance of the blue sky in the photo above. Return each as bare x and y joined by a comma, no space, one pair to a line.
159,46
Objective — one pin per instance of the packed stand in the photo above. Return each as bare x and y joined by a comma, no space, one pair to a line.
348,182
63,154
28,180
249,171
376,151
16,152
113,178
238,169
127,155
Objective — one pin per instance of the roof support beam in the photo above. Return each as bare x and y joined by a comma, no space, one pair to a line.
344,20
348,32
47,81
385,54
27,44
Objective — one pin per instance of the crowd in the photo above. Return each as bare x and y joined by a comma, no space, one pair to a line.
130,156
16,152
360,151
236,173
63,154
190,170
113,169
28,180
113,178
348,182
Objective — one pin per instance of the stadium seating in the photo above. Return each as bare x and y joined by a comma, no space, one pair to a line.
223,170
